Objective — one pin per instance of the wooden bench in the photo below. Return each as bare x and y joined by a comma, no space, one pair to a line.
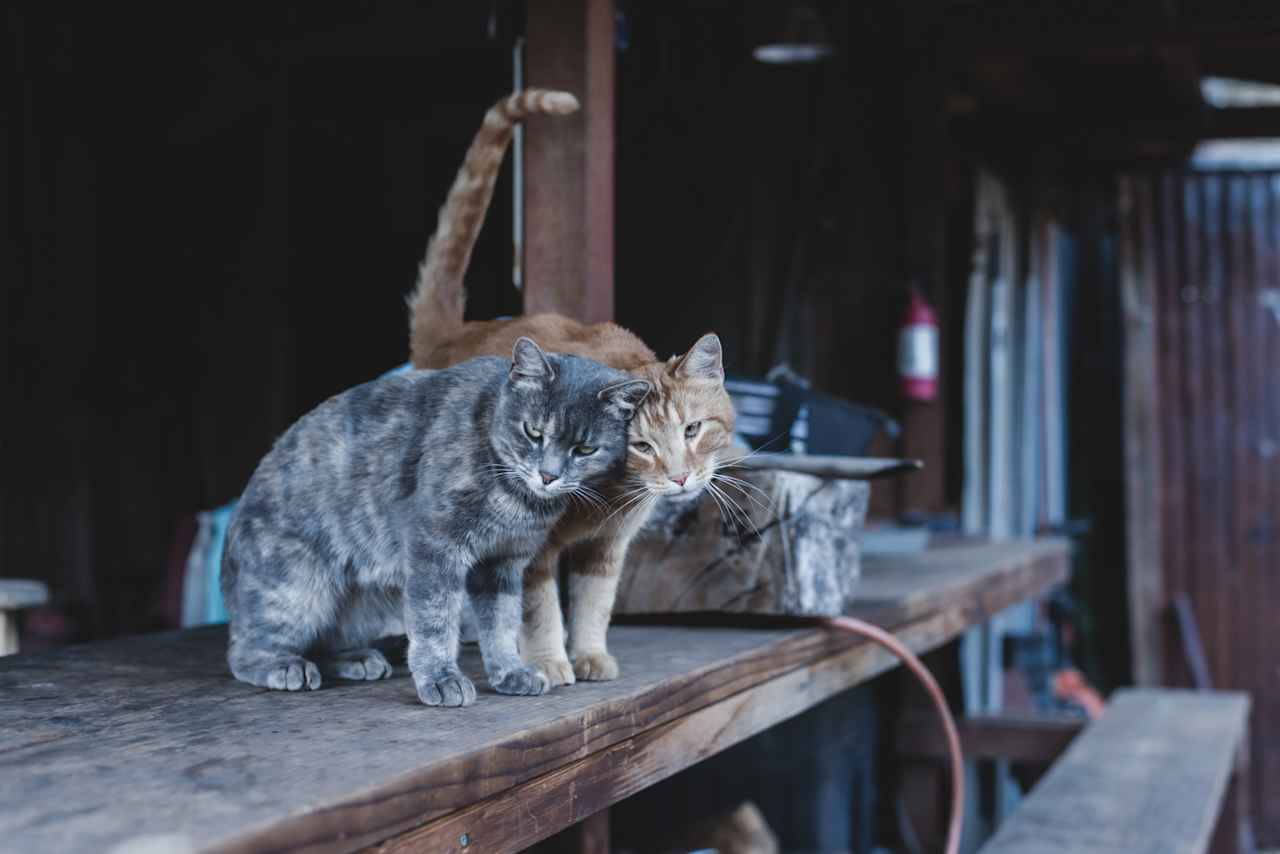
147,744
1150,775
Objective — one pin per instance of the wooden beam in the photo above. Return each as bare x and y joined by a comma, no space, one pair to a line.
1141,430
432,765
524,814
1016,738
1151,774
568,168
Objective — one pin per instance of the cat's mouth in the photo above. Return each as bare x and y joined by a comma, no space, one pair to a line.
555,489
690,487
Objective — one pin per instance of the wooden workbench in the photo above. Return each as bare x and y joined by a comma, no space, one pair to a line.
147,744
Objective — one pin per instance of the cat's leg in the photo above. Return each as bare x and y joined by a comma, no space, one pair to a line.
591,596
433,595
495,590
594,571
542,628
278,614
370,613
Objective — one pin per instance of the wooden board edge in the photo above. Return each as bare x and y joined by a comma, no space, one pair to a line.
541,807
397,807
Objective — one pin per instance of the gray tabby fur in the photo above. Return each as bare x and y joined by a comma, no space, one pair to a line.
379,510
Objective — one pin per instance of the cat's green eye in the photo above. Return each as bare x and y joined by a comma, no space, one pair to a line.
642,447
584,450
532,433
692,429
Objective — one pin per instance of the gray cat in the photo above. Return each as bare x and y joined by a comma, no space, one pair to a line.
379,510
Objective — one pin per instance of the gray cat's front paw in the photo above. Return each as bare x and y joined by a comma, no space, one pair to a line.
292,674
446,689
522,680
361,664
595,666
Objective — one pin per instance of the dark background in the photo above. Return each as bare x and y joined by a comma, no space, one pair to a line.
214,214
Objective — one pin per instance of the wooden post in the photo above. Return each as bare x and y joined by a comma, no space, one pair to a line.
1142,450
568,163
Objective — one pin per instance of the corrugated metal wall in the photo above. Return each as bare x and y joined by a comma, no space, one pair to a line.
1201,260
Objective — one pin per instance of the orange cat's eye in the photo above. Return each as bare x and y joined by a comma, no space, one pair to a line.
692,429
642,447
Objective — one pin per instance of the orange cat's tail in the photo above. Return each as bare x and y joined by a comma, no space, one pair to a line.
438,299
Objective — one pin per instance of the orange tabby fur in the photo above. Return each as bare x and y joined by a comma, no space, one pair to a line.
668,455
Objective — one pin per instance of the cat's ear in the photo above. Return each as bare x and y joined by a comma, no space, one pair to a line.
625,396
704,361
529,364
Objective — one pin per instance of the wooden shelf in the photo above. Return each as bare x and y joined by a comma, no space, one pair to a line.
148,739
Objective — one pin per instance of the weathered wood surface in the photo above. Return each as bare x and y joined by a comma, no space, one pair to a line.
569,180
148,741
973,575
1148,776
790,547
844,468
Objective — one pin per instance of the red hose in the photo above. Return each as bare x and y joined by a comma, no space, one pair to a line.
858,627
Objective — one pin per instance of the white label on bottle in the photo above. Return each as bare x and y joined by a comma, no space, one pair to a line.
918,352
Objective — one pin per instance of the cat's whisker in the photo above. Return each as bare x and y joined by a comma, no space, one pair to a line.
589,498
637,499
741,485
735,507
720,507
760,450
737,481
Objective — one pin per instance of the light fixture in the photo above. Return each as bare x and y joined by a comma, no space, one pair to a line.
803,39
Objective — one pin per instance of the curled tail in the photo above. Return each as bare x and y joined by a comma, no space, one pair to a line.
438,299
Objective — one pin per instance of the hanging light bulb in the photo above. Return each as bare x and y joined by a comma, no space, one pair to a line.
804,39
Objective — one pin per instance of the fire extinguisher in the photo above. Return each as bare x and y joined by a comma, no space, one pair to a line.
918,350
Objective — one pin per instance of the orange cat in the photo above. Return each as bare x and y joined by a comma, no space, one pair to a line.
676,436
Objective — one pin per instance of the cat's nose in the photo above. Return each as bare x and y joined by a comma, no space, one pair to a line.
679,481
548,479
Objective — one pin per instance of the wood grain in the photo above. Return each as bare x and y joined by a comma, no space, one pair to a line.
149,741
1209,249
569,162
979,577
527,813
1142,452
790,547
1149,776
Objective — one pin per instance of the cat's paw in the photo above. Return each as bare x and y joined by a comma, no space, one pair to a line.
361,664
293,673
523,680
558,669
595,666
445,689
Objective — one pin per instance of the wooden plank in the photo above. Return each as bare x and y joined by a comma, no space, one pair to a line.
978,576
1037,739
151,739
1142,451
1149,776
523,815
569,163
840,468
